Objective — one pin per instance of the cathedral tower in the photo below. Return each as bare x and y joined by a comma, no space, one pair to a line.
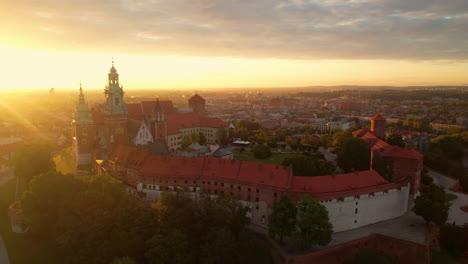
115,111
160,130
82,131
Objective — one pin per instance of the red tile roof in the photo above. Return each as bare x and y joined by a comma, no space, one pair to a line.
172,167
399,152
373,142
260,174
361,132
146,108
128,156
175,122
324,185
222,169
378,117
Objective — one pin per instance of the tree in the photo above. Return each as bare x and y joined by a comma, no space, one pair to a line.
432,204
261,136
170,246
326,140
91,218
309,166
222,136
290,141
450,145
194,137
339,139
313,224
396,140
31,160
312,141
353,154
262,152
282,221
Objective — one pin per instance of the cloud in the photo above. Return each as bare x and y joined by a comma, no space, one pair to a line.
292,29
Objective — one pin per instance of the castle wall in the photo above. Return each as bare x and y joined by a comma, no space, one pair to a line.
356,211
345,214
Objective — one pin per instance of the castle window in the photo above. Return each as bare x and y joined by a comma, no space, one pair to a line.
257,190
275,195
256,199
263,219
248,189
238,187
116,101
215,183
355,211
222,184
186,181
84,131
83,141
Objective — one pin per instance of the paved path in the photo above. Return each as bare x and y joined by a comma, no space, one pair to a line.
456,215
4,177
407,227
3,253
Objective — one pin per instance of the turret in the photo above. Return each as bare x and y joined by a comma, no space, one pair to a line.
378,123
82,131
159,122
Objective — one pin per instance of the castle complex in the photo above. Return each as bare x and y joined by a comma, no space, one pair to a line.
153,126
132,142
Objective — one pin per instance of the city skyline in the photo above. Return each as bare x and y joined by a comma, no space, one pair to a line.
223,44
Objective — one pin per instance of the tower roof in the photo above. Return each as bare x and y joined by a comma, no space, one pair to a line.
157,106
378,117
196,98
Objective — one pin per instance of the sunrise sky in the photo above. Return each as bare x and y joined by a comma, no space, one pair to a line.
166,44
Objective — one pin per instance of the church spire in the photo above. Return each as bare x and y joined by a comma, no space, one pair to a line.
81,96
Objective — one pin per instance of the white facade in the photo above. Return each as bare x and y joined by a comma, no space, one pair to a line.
143,135
354,212
346,214
174,141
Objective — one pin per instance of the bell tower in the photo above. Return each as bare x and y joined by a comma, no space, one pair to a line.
160,129
82,131
115,111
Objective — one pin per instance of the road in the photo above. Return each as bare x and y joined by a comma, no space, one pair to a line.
4,259
456,215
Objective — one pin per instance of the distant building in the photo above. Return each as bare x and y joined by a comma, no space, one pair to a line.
197,103
378,123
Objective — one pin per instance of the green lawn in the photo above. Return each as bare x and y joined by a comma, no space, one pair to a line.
276,158
22,248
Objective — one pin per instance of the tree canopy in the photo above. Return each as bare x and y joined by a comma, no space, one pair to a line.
353,154
305,221
282,221
309,166
33,159
93,218
262,152
433,204
396,140
313,224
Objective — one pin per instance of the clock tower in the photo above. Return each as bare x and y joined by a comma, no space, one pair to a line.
115,112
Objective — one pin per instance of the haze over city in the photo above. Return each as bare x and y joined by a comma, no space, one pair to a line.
221,44
233,131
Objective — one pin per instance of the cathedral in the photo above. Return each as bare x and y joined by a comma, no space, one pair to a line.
153,126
